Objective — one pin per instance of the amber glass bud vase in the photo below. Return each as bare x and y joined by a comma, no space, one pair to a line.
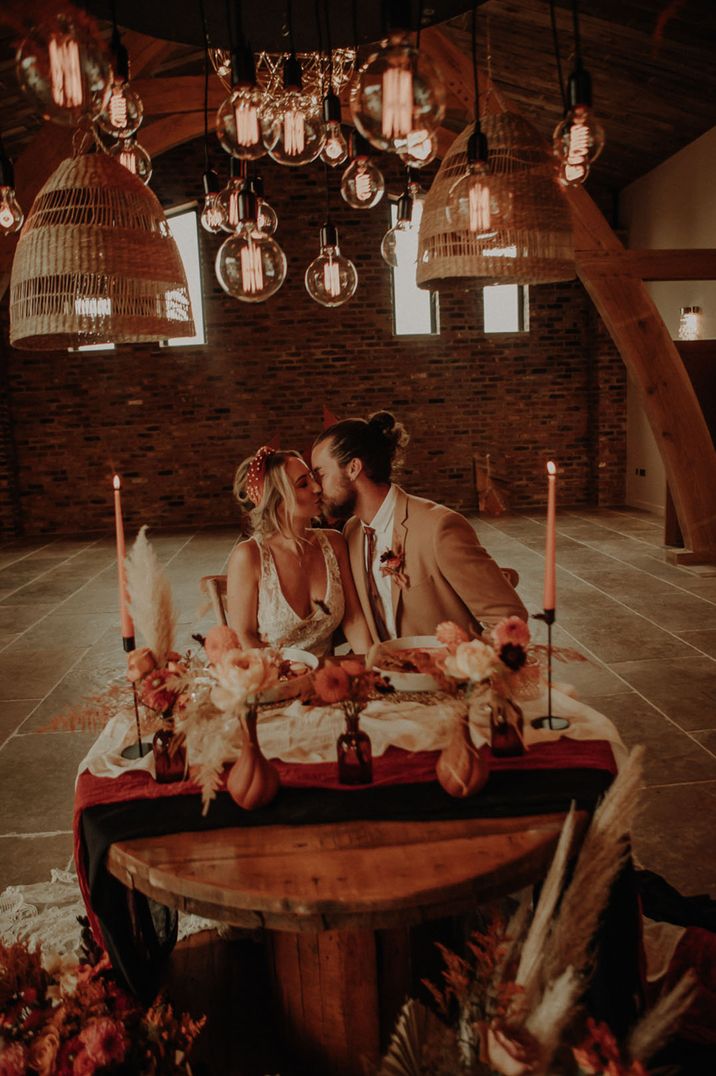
169,760
506,727
355,759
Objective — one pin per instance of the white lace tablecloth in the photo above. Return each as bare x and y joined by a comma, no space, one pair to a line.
298,733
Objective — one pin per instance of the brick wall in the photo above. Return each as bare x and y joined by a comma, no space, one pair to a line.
176,421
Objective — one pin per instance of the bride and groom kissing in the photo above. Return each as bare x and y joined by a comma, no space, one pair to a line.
402,565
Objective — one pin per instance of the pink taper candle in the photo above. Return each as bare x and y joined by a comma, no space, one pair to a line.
550,565
125,618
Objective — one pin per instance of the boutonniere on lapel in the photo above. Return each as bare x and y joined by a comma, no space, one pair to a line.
392,563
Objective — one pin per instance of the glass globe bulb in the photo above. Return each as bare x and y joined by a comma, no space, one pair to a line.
577,141
420,148
123,113
400,244
335,148
228,201
362,184
474,205
212,215
11,215
267,220
250,266
331,279
134,158
295,132
64,70
240,124
397,91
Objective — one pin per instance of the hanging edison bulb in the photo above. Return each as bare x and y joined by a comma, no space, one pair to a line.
228,200
122,115
293,121
476,203
250,265
331,279
397,92
242,126
420,148
212,214
63,68
11,215
267,218
133,157
579,138
335,148
400,243
362,183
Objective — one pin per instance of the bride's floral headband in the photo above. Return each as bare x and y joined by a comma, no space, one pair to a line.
257,472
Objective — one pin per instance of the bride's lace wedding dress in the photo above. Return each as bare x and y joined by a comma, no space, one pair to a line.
280,625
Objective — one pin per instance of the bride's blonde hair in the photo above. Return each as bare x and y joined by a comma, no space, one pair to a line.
265,517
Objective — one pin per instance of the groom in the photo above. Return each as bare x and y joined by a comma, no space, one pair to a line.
415,562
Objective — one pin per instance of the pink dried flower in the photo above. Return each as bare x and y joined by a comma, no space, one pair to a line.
104,1040
451,635
219,640
512,631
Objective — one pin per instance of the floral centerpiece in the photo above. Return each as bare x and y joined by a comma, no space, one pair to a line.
350,684
61,1017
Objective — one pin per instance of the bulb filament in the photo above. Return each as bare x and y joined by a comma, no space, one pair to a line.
252,272
234,208
397,119
129,159
294,136
65,72
7,217
118,109
479,208
332,278
578,149
246,120
364,186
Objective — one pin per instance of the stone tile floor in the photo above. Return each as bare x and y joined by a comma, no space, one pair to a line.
647,627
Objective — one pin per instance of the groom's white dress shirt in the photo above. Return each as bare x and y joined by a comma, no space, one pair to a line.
382,524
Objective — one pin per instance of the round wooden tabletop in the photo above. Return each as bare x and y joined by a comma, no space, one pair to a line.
340,876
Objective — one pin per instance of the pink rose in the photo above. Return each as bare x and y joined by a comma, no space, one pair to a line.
139,663
104,1040
219,640
241,675
451,635
13,1059
512,631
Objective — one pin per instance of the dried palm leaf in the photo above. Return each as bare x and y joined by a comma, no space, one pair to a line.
150,598
604,851
553,1013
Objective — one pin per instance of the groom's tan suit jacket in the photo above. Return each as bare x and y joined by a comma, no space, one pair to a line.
450,575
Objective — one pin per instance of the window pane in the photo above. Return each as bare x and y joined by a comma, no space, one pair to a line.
184,229
503,306
414,310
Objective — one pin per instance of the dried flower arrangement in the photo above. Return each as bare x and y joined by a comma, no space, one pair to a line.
62,1017
518,990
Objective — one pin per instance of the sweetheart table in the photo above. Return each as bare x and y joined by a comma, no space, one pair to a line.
337,877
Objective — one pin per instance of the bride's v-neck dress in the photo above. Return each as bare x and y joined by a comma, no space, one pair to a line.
280,625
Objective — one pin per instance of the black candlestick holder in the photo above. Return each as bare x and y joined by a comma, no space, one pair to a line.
549,721
138,749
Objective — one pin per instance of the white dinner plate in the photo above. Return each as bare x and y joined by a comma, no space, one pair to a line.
410,681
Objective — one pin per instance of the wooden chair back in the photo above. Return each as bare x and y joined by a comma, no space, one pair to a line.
214,587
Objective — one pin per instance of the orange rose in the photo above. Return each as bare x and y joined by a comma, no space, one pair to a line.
331,683
353,668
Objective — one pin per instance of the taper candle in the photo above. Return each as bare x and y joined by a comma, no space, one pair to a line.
550,565
125,618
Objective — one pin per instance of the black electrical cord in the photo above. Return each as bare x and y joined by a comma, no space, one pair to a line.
475,80
557,57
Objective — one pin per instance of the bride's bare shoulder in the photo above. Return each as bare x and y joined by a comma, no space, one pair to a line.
334,537
245,558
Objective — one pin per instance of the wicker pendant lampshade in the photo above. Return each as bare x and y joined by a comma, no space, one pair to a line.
532,242
96,263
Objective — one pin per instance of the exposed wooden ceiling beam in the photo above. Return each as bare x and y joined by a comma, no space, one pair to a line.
651,264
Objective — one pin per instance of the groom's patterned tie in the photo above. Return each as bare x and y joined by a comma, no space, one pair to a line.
374,598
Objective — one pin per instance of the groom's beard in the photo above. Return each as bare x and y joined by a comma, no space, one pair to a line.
343,505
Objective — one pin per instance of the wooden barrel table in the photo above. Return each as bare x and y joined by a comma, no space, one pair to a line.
337,902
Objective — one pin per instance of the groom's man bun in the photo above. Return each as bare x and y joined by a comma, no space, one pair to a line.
376,442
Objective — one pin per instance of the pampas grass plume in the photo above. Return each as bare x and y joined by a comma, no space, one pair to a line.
150,598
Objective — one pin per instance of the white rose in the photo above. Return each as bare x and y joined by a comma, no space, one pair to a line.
473,661
241,674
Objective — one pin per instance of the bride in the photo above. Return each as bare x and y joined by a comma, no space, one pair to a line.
289,584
